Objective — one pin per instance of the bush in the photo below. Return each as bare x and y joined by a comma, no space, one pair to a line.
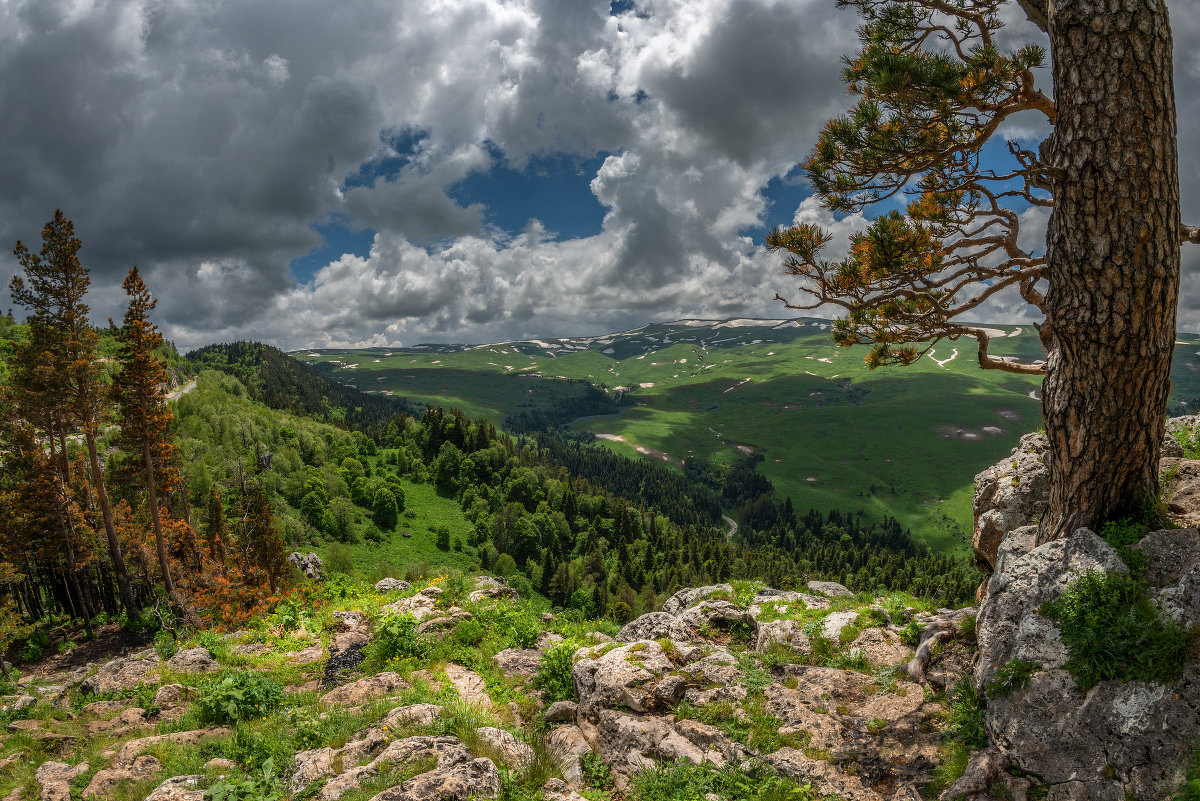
684,781
966,716
1114,631
237,696
263,785
1014,675
165,645
339,559
396,638
554,677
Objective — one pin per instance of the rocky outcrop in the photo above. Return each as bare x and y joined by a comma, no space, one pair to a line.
787,633
54,779
721,615
624,676
309,564
391,585
655,626
693,595
1117,740
519,661
419,606
1010,494
359,693
122,674
193,660
830,589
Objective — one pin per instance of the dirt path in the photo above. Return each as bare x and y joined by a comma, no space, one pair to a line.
733,526
185,389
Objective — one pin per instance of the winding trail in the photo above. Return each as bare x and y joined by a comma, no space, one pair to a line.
185,389
733,526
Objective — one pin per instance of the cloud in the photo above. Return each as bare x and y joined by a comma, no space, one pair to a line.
206,139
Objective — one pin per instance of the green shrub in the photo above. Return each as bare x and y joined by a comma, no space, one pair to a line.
165,645
910,635
396,638
516,623
237,696
1014,675
339,559
554,677
263,785
468,633
595,771
1113,630
684,781
965,716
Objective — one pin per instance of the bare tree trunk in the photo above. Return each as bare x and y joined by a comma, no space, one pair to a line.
1113,250
110,531
159,541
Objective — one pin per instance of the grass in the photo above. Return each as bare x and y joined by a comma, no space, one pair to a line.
913,466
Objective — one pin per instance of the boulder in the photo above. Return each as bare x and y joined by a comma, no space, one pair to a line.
122,674
825,778
1009,625
391,585
632,743
105,781
880,648
361,692
686,597
307,563
519,661
623,676
655,626
830,589
54,779
492,593
562,712
316,652
419,606
1182,600
1182,492
834,622
568,745
558,790
787,633
170,697
1008,495
469,685
717,677
350,620
1170,554
179,788
414,714
193,660
135,748
464,781
719,615
514,753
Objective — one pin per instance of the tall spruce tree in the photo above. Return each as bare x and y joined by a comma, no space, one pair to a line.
58,374
139,390
934,89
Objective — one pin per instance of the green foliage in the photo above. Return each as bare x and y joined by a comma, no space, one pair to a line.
517,623
237,696
1013,675
965,715
263,785
684,781
338,559
1191,784
554,676
165,645
1113,630
596,772
396,638
910,635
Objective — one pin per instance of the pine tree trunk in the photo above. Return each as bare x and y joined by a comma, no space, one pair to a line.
159,541
110,531
1113,250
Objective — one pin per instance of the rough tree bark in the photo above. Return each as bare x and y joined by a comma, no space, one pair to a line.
1113,252
110,532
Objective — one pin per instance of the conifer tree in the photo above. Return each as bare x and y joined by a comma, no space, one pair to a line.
261,545
934,88
139,390
58,372
217,530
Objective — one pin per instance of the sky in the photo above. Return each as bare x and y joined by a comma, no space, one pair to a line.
390,172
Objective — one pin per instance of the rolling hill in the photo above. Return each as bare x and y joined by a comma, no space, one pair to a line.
830,433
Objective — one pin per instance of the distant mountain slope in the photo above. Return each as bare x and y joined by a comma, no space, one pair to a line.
282,382
901,442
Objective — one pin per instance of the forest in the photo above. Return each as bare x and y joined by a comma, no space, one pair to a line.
120,503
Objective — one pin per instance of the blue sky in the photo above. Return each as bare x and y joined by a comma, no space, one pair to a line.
496,169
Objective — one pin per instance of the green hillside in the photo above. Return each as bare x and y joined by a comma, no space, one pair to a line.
905,442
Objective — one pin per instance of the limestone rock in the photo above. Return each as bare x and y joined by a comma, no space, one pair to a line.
54,779
823,776
469,685
419,606
512,751
464,781
350,620
358,693
881,647
830,589
309,564
105,781
391,585
1182,492
170,697
134,748
1182,600
686,597
721,615
655,626
834,622
1170,554
122,674
631,743
178,788
568,745
787,633
718,677
519,661
417,714
562,712
622,676
494,593
315,652
558,790
193,660
1009,626
1008,495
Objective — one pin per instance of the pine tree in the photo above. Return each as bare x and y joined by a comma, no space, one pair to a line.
935,87
58,373
261,545
217,530
139,390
